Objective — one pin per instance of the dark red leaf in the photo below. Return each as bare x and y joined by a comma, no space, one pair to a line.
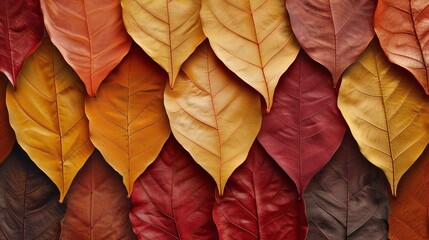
260,202
7,136
305,127
173,198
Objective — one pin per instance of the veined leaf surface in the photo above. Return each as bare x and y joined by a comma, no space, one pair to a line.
7,136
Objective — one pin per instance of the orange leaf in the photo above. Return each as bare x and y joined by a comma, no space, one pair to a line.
7,136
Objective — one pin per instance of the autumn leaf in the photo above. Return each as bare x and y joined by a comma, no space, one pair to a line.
260,202
90,35
28,200
213,114
168,31
127,120
21,31
173,198
7,136
386,111
305,127
253,39
334,33
95,198
47,114
347,199
401,26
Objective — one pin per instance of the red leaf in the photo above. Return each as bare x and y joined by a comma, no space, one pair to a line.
260,202
305,127
7,136
95,198
21,31
173,198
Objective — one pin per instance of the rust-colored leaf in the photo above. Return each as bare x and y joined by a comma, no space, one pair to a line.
7,136
213,114
90,35
127,120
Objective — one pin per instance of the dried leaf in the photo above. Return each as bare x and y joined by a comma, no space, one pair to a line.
47,114
173,198
21,31
127,120
260,202
90,35
28,200
305,127
213,114
334,33
253,39
347,199
401,26
169,31
7,136
97,197
386,111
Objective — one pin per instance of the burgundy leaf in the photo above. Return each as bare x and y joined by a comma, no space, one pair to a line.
173,198
7,136
305,127
260,202
97,204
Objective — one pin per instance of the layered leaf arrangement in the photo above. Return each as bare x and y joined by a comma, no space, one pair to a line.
254,119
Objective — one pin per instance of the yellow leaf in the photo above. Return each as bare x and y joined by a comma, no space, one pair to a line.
213,114
127,120
169,31
387,112
47,113
253,38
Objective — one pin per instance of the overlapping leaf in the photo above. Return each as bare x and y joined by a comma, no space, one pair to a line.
213,114
305,127
173,198
386,111
347,199
90,34
169,31
7,136
127,120
401,26
253,39
97,204
409,218
334,33
21,31
260,202
29,208
47,114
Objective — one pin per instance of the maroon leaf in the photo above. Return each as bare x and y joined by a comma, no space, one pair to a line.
260,202
305,127
97,204
21,31
173,198
347,199
7,136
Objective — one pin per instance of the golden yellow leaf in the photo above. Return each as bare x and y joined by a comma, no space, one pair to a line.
387,112
213,114
127,120
169,31
253,38
47,113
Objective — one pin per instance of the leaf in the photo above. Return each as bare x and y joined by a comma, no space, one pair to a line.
409,216
90,35
97,197
347,199
334,33
127,120
21,31
253,39
402,29
7,138
213,114
386,111
28,205
47,114
173,198
260,202
305,127
169,31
